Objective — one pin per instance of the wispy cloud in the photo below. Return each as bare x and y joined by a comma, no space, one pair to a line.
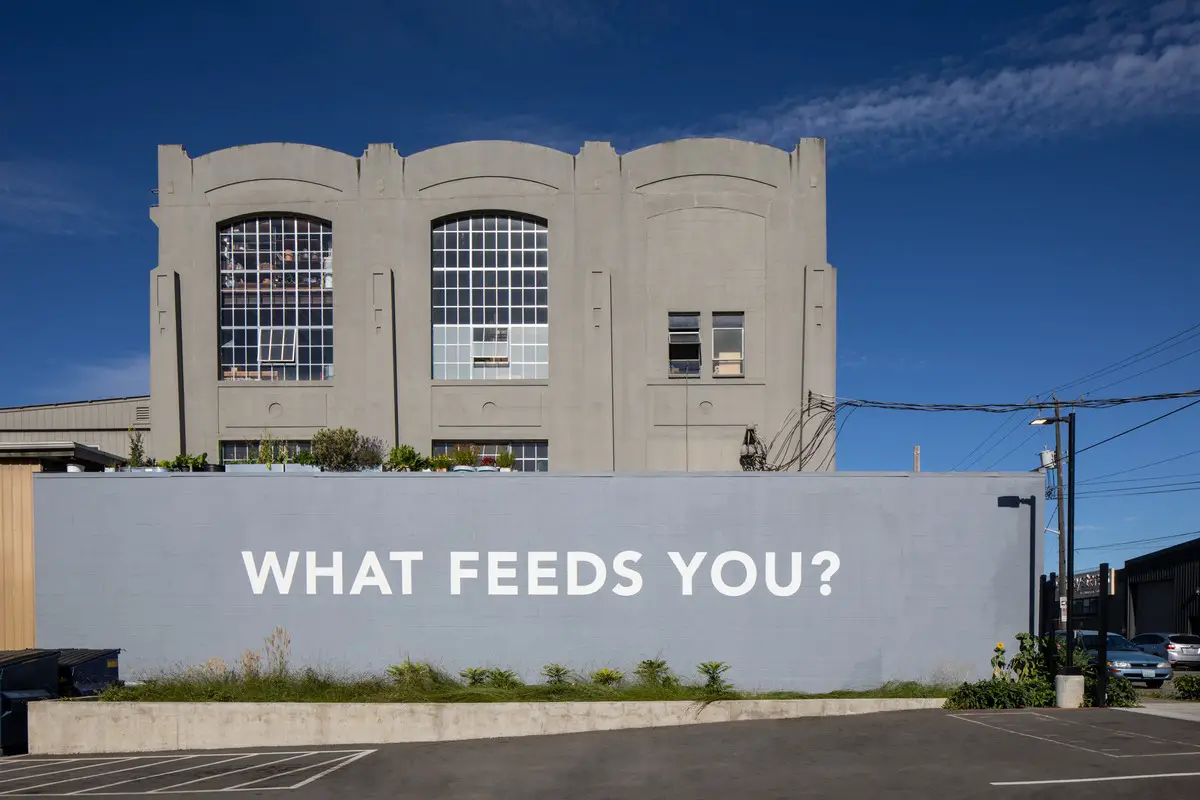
39,195
1080,68
115,377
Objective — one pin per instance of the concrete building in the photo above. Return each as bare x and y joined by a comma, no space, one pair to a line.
591,312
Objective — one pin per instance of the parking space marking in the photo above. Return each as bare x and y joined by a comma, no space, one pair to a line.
1119,732
89,777
33,765
333,760
162,774
338,762
291,757
1105,779
61,771
967,718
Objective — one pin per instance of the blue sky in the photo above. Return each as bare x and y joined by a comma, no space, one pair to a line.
1012,199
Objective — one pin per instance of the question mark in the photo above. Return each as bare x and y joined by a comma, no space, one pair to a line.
835,564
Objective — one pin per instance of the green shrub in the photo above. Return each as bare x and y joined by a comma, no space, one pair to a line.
465,456
556,674
345,450
1121,693
405,458
411,674
653,672
304,457
503,679
607,677
440,462
1187,687
505,459
137,449
714,676
475,676
1001,692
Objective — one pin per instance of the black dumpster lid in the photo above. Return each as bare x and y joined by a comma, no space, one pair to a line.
74,656
9,657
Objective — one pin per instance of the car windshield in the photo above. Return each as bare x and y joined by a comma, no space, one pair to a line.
1185,638
1115,642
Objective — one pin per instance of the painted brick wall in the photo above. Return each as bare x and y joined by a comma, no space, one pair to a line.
933,570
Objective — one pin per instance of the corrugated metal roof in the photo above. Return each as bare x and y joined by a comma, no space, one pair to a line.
10,657
73,657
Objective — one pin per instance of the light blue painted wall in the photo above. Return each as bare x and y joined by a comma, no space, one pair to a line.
934,570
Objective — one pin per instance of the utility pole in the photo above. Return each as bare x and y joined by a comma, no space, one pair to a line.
917,458
1062,520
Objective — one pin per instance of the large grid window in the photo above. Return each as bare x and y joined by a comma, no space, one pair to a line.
276,284
490,305
246,452
527,456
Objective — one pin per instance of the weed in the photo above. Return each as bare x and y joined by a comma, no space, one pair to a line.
475,676
607,677
714,676
653,672
557,674
503,679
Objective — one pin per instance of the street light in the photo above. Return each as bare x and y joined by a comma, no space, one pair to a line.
1070,420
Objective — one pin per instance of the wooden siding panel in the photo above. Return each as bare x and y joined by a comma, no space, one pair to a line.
17,625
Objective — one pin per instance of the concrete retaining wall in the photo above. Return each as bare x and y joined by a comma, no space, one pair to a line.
58,727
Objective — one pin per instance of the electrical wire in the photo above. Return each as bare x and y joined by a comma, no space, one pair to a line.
1007,408
1135,542
1138,427
1141,355
1019,445
1150,369
1143,466
1138,480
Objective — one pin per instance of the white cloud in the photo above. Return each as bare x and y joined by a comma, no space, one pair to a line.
39,195
115,377
1083,68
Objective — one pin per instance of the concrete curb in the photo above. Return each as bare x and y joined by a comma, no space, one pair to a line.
73,727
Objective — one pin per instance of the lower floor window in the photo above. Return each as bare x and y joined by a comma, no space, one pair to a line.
527,456
253,452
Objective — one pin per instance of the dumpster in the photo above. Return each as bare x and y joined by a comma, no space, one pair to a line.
82,673
25,676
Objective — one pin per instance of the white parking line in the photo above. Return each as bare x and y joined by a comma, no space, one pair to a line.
32,765
73,769
1032,736
341,761
1098,780
161,774
1117,732
89,777
307,781
292,757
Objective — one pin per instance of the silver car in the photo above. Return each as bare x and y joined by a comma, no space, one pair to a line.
1182,650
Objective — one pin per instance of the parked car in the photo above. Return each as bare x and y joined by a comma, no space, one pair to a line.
1182,650
1126,659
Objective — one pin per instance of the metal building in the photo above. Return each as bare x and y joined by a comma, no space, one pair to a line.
1164,590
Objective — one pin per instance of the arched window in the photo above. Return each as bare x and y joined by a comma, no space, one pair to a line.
490,306
275,278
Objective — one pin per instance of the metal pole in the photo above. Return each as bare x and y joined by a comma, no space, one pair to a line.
1052,645
1043,587
1070,542
1102,655
1060,618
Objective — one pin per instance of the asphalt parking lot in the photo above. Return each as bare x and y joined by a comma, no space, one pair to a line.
1060,754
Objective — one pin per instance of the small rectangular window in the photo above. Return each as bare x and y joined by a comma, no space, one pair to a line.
683,344
729,344
489,347
277,346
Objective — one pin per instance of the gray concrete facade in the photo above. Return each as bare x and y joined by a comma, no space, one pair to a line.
699,225
931,570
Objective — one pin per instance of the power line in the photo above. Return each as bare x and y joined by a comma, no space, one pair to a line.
1006,408
1143,466
1141,355
1135,542
1127,490
1150,369
1139,480
1019,445
1135,494
1137,427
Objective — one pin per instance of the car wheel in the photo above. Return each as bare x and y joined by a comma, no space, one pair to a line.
1154,684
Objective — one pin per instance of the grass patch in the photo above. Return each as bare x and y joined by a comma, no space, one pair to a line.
311,686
